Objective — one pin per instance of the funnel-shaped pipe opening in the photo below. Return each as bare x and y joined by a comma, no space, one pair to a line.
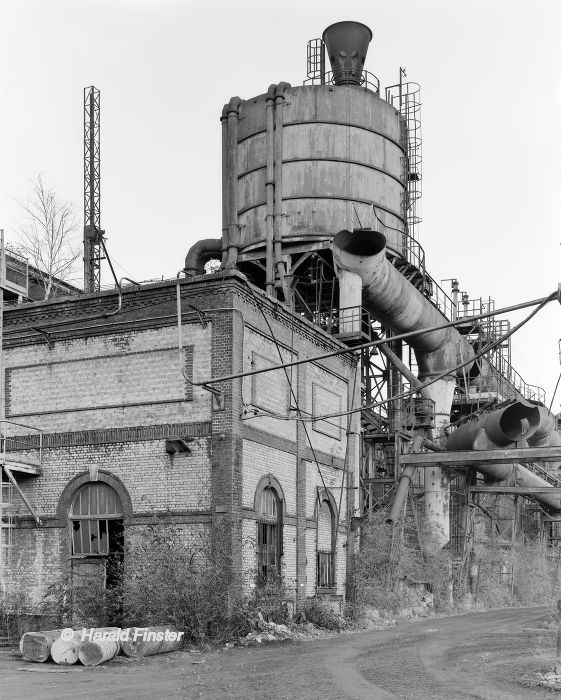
361,242
517,421
347,45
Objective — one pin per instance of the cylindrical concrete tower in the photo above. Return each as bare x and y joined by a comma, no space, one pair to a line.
301,163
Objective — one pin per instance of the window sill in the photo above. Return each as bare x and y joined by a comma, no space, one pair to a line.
326,590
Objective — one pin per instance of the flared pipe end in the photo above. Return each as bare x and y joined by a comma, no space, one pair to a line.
347,46
517,422
361,242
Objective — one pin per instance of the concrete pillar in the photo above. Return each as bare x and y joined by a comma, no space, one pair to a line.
353,479
437,481
350,301
301,521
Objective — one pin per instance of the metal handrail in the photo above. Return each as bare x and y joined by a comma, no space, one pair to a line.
331,320
20,443
510,383
367,80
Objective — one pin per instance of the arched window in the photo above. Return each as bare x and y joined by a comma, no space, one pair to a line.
96,520
325,565
269,534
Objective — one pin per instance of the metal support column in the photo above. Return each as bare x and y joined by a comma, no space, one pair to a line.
92,218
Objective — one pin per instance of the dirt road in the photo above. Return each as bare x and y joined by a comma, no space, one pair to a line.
480,655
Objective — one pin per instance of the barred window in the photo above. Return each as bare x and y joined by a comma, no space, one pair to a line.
325,573
269,535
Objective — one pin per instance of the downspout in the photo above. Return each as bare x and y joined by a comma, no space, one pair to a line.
233,115
225,185
404,484
277,207
396,303
350,302
270,189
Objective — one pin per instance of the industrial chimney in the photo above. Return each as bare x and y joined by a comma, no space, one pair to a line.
347,45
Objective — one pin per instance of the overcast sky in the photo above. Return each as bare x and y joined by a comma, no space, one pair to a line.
490,77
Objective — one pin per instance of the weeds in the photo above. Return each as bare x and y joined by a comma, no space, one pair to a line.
320,615
166,578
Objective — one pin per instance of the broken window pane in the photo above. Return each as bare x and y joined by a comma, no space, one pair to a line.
96,521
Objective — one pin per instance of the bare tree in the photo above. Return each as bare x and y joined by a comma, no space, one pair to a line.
48,236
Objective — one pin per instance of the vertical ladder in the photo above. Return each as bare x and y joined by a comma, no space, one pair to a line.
316,61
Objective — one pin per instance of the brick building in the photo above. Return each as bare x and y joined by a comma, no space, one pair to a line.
126,437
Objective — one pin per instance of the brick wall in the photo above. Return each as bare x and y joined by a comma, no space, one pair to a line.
131,378
100,384
282,446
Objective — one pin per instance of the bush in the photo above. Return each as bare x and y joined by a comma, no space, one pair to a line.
16,617
183,583
268,598
167,579
382,570
320,615
526,574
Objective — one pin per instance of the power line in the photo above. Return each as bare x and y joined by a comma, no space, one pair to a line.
297,407
373,343
410,392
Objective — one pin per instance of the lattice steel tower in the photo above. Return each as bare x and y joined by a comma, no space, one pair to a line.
92,222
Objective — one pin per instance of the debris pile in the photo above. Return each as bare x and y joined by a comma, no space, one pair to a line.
550,680
273,632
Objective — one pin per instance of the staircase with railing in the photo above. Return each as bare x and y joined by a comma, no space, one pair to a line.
20,457
6,524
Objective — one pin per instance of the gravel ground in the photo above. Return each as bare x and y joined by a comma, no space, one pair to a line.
494,655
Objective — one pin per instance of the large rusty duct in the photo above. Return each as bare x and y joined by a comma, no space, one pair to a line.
397,304
517,425
368,279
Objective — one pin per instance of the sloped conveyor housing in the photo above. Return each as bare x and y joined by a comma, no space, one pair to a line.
361,263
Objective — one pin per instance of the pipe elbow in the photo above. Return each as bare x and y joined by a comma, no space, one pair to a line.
234,105
545,434
281,89
200,253
453,352
396,303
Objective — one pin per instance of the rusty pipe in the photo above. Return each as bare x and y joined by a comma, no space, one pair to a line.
404,483
200,253
519,422
521,476
508,425
233,115
270,189
546,435
396,303
225,184
278,188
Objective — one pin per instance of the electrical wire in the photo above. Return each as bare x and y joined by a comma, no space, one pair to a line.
297,407
345,463
411,392
452,370
555,391
385,225
374,343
